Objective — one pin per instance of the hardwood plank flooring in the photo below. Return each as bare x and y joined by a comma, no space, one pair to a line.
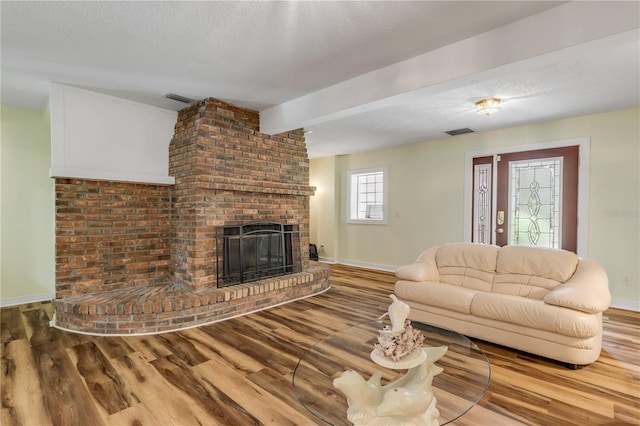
239,372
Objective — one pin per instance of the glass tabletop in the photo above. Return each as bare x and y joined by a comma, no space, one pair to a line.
457,389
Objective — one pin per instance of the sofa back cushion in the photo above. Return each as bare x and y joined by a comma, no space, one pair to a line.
468,265
532,271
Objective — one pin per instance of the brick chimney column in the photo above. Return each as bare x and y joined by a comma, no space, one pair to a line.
228,173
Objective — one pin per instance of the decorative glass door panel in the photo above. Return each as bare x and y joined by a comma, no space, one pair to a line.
535,202
537,198
482,199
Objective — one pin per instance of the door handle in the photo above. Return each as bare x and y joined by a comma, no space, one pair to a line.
499,230
500,219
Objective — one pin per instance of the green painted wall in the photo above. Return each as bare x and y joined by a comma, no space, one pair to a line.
322,207
27,251
426,196
426,183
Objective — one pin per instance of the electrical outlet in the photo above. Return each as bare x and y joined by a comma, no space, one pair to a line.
626,279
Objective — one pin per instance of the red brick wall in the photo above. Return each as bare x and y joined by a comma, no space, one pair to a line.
227,172
218,140
110,235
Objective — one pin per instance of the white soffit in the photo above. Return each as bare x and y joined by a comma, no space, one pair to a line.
537,40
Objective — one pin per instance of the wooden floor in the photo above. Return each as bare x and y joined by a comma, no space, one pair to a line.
238,372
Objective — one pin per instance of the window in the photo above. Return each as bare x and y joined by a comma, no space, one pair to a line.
367,196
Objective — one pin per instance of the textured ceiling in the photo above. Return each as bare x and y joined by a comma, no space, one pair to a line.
341,69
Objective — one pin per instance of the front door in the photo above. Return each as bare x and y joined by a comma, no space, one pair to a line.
536,199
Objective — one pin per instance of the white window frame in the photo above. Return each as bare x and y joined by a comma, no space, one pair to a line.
352,203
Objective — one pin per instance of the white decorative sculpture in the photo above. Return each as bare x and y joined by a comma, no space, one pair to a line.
398,312
407,401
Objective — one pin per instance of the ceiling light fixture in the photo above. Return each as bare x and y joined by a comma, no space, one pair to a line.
488,106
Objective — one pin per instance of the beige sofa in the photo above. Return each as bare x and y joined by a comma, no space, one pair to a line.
541,301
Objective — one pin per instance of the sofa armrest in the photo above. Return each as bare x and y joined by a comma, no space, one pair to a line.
424,268
587,290
418,272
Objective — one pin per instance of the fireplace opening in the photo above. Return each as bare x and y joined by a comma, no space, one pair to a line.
257,250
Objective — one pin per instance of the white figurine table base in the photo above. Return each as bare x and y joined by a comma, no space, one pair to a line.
407,401
322,367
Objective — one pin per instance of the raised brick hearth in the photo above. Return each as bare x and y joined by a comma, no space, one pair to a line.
141,258
167,307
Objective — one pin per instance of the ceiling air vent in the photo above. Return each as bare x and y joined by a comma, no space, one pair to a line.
459,131
179,98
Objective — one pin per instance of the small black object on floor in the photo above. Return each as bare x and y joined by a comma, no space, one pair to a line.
313,252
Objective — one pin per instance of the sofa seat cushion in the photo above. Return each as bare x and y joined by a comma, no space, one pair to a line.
495,331
445,296
535,314
467,265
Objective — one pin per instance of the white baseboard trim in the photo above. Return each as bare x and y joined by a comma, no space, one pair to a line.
385,268
626,304
23,300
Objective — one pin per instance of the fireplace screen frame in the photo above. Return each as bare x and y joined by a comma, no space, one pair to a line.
257,250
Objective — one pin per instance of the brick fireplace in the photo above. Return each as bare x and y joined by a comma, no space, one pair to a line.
142,258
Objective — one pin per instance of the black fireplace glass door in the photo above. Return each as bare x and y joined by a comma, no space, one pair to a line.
255,251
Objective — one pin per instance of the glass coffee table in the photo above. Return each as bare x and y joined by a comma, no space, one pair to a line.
457,389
